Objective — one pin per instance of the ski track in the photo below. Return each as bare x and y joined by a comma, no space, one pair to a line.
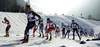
19,21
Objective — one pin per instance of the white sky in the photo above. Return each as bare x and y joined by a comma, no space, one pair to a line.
69,7
55,6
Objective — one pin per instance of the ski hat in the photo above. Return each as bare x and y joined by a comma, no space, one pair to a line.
5,18
72,20
27,6
48,18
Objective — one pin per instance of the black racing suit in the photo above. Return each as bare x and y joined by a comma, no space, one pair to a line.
30,24
74,26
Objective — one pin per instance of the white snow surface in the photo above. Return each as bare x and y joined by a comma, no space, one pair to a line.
19,21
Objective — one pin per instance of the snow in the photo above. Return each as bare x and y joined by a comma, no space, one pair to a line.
19,21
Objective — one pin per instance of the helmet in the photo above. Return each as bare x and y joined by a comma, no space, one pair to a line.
5,18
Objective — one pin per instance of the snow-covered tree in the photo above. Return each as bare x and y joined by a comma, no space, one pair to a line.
89,17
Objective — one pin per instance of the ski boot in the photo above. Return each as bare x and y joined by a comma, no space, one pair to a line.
22,40
46,38
50,38
39,35
7,35
26,40
80,38
73,39
65,36
43,36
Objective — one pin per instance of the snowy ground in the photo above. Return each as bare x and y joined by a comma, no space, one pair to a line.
19,21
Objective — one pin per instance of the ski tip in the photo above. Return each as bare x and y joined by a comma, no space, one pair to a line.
4,36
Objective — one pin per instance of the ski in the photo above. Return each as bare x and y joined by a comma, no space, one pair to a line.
47,40
3,36
11,44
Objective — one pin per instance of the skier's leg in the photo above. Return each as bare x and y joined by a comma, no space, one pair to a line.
62,33
65,35
68,35
47,36
26,36
73,34
42,33
39,31
50,37
78,34
51,33
47,33
58,33
26,30
34,32
7,31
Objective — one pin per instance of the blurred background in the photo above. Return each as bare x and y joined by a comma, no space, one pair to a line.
79,8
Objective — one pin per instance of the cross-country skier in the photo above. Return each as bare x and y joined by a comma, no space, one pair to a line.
85,31
74,26
92,33
68,28
31,22
81,31
35,28
50,28
8,26
41,28
98,37
63,30
57,31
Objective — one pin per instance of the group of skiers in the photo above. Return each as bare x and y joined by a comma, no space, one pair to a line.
86,32
74,26
50,26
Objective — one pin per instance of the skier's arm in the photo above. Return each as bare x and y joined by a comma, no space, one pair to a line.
54,24
3,22
77,25
71,25
39,22
36,14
